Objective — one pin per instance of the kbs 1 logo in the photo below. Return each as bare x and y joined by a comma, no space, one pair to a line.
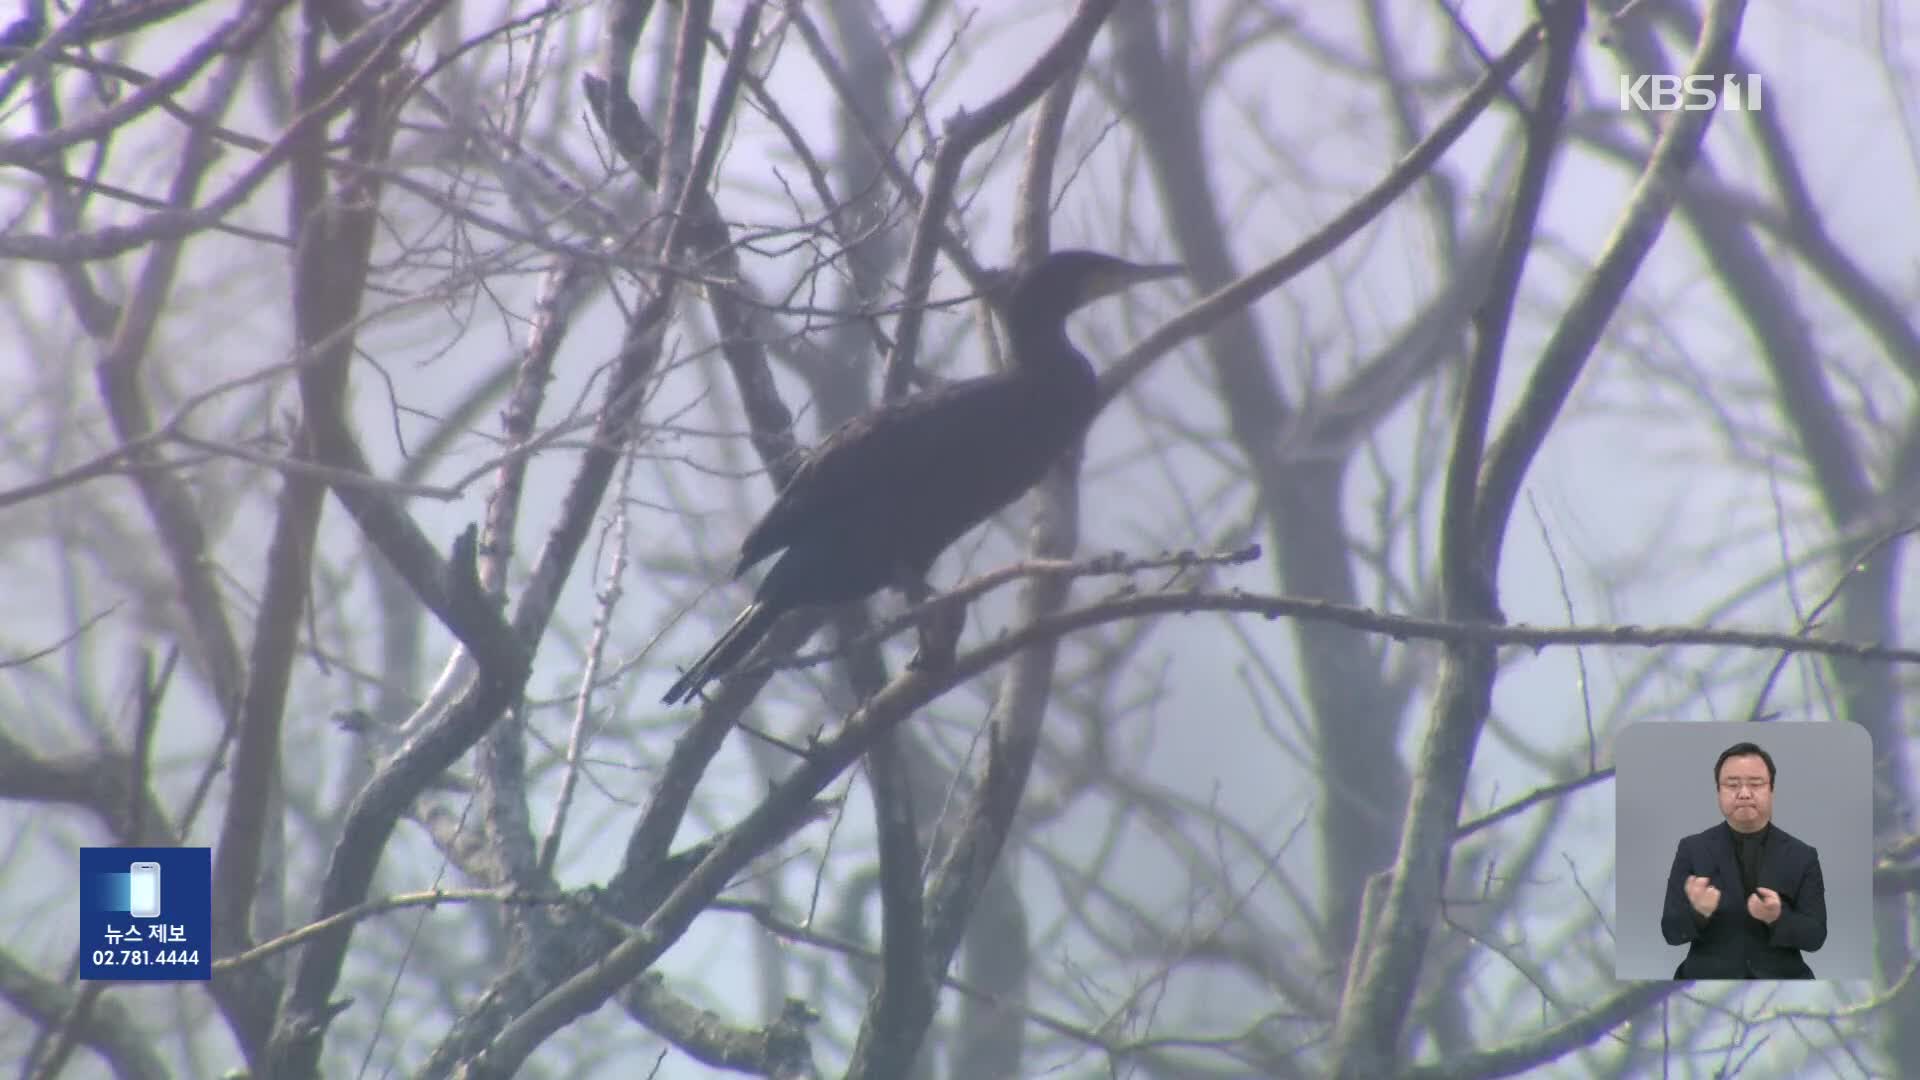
1690,93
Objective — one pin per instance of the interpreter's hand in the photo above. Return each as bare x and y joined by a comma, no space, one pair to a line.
1764,905
1703,896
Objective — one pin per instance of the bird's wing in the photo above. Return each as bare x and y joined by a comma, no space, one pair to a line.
872,455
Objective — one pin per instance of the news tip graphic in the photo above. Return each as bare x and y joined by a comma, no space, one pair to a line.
146,914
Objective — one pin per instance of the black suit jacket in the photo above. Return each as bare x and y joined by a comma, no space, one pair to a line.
1733,944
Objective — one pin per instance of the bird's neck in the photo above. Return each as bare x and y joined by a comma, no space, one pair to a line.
1041,349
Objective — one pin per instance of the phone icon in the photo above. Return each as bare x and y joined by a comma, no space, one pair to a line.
143,893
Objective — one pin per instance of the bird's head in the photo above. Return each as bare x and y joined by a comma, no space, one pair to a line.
1068,280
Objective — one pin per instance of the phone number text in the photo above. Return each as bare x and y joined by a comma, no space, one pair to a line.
145,957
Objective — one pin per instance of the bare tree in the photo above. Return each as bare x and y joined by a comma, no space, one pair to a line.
391,387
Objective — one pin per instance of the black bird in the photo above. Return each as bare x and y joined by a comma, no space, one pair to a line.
882,496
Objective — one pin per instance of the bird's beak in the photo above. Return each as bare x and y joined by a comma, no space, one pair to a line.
1156,271
1125,275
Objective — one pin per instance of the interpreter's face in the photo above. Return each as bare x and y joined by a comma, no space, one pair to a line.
1746,795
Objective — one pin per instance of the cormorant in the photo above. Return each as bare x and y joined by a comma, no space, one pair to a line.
883,495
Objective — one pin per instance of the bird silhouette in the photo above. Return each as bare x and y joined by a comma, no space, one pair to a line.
878,500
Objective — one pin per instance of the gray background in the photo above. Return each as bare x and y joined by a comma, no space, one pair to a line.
1665,791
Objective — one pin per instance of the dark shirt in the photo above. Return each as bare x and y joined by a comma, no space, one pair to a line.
1748,848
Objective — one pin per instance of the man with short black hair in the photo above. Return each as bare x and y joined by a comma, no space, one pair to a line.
1745,897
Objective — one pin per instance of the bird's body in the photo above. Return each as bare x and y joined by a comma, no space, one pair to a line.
889,490
880,498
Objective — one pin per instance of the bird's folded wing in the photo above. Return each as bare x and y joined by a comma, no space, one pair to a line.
876,455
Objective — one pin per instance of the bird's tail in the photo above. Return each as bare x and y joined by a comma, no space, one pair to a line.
748,628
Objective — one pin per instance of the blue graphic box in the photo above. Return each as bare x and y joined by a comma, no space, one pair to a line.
146,914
